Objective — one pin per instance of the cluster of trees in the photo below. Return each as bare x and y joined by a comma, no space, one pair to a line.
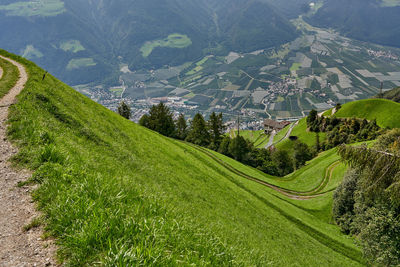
200,132
367,203
342,130
211,134
273,162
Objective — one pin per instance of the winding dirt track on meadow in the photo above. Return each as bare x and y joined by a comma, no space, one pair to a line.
18,247
292,194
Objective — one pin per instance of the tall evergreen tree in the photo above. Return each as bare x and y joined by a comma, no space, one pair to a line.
216,128
181,127
198,133
145,121
312,117
283,161
124,110
239,148
302,154
224,146
160,120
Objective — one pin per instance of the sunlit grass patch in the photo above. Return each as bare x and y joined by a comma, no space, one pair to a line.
175,40
73,46
44,8
78,63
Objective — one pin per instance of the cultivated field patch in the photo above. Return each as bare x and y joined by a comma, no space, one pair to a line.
73,46
77,63
175,40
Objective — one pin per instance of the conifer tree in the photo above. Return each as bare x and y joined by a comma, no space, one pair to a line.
181,127
239,148
160,120
198,133
216,128
124,110
312,117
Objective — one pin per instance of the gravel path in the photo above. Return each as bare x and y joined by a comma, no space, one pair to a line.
1,73
271,139
17,247
289,132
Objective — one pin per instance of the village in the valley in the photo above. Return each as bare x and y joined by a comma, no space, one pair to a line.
315,71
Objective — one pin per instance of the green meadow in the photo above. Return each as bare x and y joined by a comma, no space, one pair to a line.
44,8
386,112
73,46
78,63
175,40
116,194
9,77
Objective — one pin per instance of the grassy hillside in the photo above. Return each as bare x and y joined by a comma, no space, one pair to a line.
259,138
385,112
300,130
9,77
117,194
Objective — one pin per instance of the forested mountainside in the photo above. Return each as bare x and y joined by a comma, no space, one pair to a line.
69,36
393,94
374,21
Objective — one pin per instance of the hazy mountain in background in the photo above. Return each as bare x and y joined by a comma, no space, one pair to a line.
83,41
374,21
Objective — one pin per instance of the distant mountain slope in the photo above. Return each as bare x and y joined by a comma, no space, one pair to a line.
366,20
117,194
393,95
82,41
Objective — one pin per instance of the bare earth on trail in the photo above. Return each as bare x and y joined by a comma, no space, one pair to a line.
17,247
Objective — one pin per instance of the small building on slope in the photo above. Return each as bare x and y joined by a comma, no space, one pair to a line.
271,125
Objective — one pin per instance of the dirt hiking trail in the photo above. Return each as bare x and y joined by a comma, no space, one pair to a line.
18,247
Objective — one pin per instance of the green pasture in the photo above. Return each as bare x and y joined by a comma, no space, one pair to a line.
175,40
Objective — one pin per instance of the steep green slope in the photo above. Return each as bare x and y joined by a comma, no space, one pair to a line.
305,136
385,112
116,193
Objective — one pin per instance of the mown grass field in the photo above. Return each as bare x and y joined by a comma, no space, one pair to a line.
300,130
73,46
44,8
9,78
258,138
116,194
77,63
175,40
386,112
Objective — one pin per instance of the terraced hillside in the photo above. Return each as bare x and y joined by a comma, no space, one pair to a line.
117,194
